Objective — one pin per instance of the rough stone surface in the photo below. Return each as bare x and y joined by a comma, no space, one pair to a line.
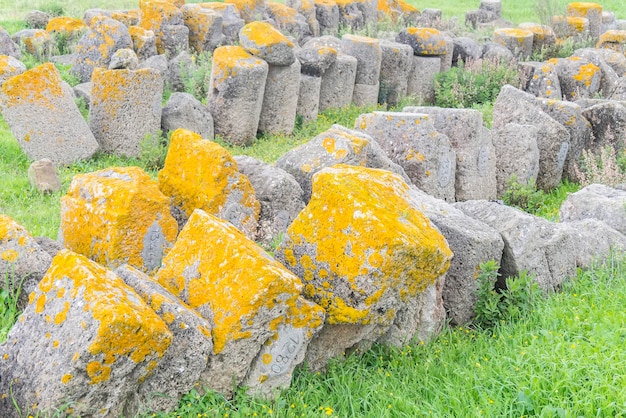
608,76
182,110
495,52
280,99
124,58
517,155
596,201
542,80
316,58
200,174
184,365
175,39
514,106
86,340
595,240
424,41
178,69
608,125
156,15
465,50
117,216
37,42
368,53
125,108
144,42
10,66
261,324
37,19
365,94
44,118
279,194
264,41
338,83
327,15
23,262
543,36
395,66
411,141
421,81
475,154
363,251
518,41
309,97
205,27
236,94
578,77
289,21
42,176
337,145
544,249
472,243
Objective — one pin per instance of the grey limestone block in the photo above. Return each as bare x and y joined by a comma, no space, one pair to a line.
368,53
573,85
595,240
596,201
542,80
365,94
338,83
327,14
10,66
421,81
182,110
608,126
175,39
517,155
395,66
280,99
309,97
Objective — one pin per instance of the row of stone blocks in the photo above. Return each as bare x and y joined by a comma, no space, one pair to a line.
364,261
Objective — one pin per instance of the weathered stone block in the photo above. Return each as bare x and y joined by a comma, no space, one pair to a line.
10,66
144,42
309,97
421,81
518,41
578,77
155,15
327,14
395,66
337,86
596,201
205,27
590,11
517,155
280,99
43,176
608,126
424,41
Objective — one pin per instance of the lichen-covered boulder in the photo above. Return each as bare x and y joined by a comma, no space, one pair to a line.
570,27
7,46
337,145
144,42
424,41
250,10
327,14
289,21
236,94
261,324
542,80
231,20
117,216
200,174
23,262
613,39
10,66
596,201
44,118
590,11
205,27
579,78
184,365
37,42
543,35
264,41
398,10
156,15
97,45
85,342
315,59
363,252
411,141
37,19
66,26
608,126
518,41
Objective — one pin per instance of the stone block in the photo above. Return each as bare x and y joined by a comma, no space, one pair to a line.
590,11
249,10
542,80
424,41
395,66
517,155
289,21
518,41
7,46
596,201
43,176
315,58
309,97
338,83
10,66
307,9
155,14
182,110
264,41
280,99
608,126
368,55
175,39
144,42
543,36
36,42
327,14
205,27
613,39
421,81
124,58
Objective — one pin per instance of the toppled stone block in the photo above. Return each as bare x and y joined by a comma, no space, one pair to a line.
183,110
10,66
337,145
23,262
595,240
411,141
309,97
363,252
250,10
44,118
37,42
261,324
465,50
596,201
263,41
96,47
608,126
117,216
207,178
579,78
545,250
7,46
542,80
236,95
43,177
184,365
424,41
125,108
398,11
86,340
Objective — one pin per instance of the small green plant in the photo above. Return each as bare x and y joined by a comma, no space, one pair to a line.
8,306
196,78
523,196
604,167
153,150
487,309
53,9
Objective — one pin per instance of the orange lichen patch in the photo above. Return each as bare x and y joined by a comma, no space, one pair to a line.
370,238
117,216
500,35
41,303
217,6
264,35
612,37
40,85
250,10
267,358
429,41
214,265
282,12
126,325
227,60
127,18
9,255
582,9
396,8
587,73
540,32
60,317
65,25
156,13
139,36
66,378
200,174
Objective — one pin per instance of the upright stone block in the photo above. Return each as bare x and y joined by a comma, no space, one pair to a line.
422,75
280,99
155,15
44,118
424,41
117,216
543,36
43,176
261,324
518,41
309,97
327,14
37,42
144,42
356,14
362,273
368,53
289,21
398,11
200,174
205,27
307,9
590,11
338,83
570,27
542,80
236,94
250,10
517,155
396,63
86,340
579,78
125,108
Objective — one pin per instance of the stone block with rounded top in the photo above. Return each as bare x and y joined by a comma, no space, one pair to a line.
205,27
424,41
266,42
590,11
518,41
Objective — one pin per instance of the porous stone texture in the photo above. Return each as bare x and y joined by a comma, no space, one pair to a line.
595,240
250,10
395,66
465,50
200,174
596,201
545,250
86,340
543,36
327,15
96,47
178,69
7,46
578,77
472,242
475,176
264,41
236,94
613,39
590,11
279,194
156,15
337,145
23,262
570,27
542,80
517,155
518,41
125,108
261,324
280,99
205,27
337,86
44,118
357,14
184,365
43,177
421,82
10,66
608,126
231,20
37,19
368,53
306,8
289,21
117,216
183,110
411,141
309,97
124,58
175,39
361,265
316,57
608,76
514,106
570,116
495,52
36,42
424,41
144,42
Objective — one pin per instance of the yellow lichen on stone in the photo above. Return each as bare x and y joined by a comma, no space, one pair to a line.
227,60
156,13
586,74
250,10
613,39
396,8
285,13
65,25
371,236
139,36
582,9
40,85
264,35
117,216
213,264
127,327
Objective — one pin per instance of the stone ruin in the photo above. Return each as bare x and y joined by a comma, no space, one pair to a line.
155,287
